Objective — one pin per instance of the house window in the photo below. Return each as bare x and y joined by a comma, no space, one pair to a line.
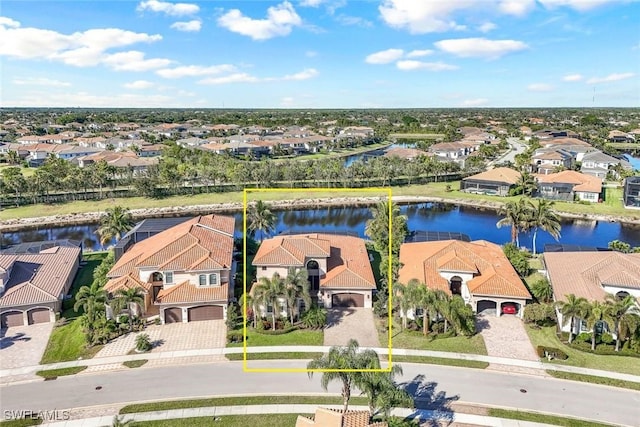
202,280
213,279
168,277
264,268
269,308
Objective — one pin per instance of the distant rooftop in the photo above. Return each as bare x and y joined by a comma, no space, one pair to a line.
334,232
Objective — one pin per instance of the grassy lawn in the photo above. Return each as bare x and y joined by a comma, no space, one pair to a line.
339,152
297,337
262,420
54,373
416,341
134,363
26,172
547,337
272,356
441,361
613,206
535,263
543,418
595,380
239,400
25,422
533,278
67,342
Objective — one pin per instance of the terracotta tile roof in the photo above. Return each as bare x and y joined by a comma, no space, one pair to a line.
204,242
125,282
338,418
347,258
584,273
581,182
494,275
185,292
37,278
507,175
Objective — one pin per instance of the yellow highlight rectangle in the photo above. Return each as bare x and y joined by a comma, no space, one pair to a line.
246,191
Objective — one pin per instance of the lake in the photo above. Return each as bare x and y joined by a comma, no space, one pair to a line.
479,224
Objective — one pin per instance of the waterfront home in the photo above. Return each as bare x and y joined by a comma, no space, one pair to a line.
631,192
338,418
599,164
547,160
496,181
591,275
569,185
34,280
478,271
338,266
185,272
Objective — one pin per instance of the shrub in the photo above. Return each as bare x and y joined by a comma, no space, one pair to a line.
235,336
314,318
518,258
551,353
606,338
437,327
584,337
143,343
540,314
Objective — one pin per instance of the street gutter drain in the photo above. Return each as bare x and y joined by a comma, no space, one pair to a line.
523,390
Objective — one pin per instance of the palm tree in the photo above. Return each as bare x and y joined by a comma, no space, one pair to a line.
261,219
268,291
115,223
427,301
382,391
296,286
619,311
542,290
92,300
594,314
515,215
126,298
573,307
377,228
404,301
250,302
542,217
339,364
460,315
526,184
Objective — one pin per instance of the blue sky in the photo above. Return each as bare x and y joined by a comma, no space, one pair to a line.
320,53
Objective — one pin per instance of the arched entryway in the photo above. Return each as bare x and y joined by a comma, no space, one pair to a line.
622,295
455,285
313,270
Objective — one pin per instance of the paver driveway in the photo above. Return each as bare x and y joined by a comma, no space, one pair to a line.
23,345
173,337
344,324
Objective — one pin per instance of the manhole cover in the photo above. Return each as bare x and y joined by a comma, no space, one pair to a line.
523,390
99,387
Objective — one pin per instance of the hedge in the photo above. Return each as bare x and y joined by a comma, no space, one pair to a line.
555,353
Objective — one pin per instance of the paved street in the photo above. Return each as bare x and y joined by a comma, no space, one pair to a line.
517,147
441,383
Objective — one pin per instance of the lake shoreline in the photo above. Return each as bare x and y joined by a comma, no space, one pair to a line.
23,224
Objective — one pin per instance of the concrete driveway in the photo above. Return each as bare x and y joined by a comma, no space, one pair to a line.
172,337
344,324
23,345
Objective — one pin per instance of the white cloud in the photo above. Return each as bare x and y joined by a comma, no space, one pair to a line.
354,21
8,22
420,17
138,84
311,3
311,54
188,26
40,81
306,74
611,78
480,47
194,71
572,78
248,78
173,9
279,22
579,5
133,60
474,102
287,102
540,87
516,7
419,53
487,26
384,56
410,65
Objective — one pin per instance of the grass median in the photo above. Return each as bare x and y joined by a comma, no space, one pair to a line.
612,382
544,418
262,420
273,356
55,373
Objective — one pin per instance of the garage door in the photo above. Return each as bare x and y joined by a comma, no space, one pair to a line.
347,300
206,312
39,315
13,318
486,305
173,315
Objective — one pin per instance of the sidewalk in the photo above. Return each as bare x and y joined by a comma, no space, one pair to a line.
423,415
7,374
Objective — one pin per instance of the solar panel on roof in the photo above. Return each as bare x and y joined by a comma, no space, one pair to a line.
557,247
37,247
434,236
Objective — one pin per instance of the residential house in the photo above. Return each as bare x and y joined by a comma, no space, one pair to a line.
185,272
619,136
547,160
478,271
34,280
591,275
150,150
450,150
73,151
566,141
631,192
599,164
569,185
405,153
191,142
496,181
338,418
339,268
125,161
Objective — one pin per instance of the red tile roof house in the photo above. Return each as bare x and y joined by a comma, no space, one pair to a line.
477,271
339,268
184,271
33,285
591,275
569,185
496,181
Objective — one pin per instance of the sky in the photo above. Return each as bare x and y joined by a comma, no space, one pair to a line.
320,53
